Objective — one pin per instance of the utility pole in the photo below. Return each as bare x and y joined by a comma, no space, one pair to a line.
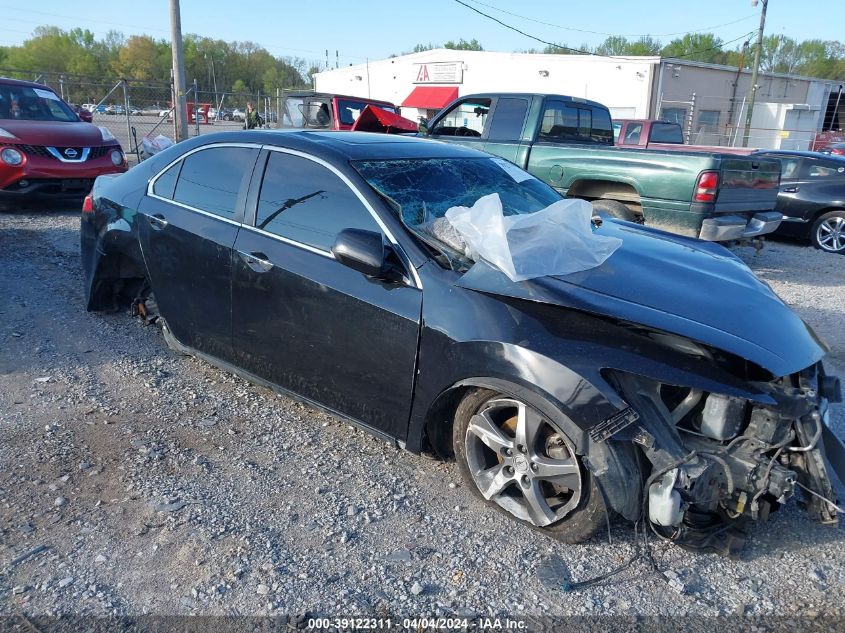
752,90
180,117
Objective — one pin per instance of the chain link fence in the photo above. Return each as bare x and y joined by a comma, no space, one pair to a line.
720,121
133,109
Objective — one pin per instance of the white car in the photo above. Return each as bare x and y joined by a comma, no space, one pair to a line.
238,115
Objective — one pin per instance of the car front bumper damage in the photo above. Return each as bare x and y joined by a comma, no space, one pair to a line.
719,463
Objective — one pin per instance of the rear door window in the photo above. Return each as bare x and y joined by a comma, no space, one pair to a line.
666,133
212,179
574,122
304,201
508,119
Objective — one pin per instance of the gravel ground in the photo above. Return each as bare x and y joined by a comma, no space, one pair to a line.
143,482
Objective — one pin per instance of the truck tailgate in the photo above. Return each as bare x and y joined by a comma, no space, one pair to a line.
747,183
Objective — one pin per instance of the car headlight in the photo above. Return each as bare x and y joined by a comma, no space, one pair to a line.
11,156
117,157
107,135
6,134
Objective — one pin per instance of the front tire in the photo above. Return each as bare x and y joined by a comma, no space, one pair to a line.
519,461
828,232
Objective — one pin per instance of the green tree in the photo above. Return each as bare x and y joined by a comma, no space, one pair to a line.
463,45
780,54
613,45
701,47
139,59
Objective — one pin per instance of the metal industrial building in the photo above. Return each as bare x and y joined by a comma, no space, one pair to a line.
707,99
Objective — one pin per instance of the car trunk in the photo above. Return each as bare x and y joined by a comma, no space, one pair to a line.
747,184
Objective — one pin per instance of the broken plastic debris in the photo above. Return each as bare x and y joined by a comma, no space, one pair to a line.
557,240
153,146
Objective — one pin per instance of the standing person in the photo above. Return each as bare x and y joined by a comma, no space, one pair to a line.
252,119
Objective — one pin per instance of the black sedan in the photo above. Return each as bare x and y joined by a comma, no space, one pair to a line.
301,261
812,198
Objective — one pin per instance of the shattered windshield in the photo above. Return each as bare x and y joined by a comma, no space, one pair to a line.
425,188
421,190
33,104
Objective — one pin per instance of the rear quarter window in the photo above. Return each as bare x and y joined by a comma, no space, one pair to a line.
165,184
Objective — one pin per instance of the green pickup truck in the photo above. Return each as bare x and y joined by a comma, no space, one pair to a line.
568,142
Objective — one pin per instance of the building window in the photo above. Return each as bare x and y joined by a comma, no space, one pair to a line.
674,115
708,120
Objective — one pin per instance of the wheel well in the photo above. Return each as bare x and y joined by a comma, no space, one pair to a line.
117,281
821,212
441,417
606,190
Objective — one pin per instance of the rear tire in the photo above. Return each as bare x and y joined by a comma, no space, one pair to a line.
535,476
828,232
615,209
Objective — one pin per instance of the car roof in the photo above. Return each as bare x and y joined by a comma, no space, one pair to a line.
528,95
799,154
331,95
20,82
342,146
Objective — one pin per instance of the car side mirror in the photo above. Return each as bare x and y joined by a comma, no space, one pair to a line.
422,126
361,250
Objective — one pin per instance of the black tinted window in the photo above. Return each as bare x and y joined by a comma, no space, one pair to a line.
602,128
305,202
666,133
565,122
211,179
166,183
508,119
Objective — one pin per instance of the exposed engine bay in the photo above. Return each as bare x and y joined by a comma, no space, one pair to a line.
720,462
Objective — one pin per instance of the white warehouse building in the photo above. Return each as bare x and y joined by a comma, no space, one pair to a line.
708,100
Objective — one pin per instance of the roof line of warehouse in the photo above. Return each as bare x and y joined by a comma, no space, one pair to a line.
648,59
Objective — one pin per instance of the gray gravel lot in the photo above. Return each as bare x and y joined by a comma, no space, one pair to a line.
158,484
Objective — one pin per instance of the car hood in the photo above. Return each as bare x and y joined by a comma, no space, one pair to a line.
55,133
698,290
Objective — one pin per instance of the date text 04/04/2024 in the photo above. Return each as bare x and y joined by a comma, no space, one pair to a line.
418,624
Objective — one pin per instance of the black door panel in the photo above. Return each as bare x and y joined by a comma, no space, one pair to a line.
189,262
326,332
191,224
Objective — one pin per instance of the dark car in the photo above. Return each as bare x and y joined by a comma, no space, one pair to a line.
82,113
301,261
45,149
812,198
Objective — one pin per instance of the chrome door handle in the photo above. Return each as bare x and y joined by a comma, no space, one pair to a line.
791,189
157,221
257,261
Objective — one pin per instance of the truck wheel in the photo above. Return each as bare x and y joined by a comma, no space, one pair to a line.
828,232
521,463
615,209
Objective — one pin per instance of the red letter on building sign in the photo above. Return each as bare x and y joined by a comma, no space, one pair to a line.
422,74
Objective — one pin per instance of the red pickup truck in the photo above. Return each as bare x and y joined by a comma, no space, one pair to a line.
652,134
318,110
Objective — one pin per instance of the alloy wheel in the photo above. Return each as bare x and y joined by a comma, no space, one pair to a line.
521,461
830,234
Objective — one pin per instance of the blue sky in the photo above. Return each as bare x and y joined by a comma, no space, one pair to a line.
368,29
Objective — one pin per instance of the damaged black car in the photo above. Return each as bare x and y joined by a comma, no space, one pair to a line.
662,382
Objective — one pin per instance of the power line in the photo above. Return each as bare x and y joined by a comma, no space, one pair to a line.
579,51
570,28
71,17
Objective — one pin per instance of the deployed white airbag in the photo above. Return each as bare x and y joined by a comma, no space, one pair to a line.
557,240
